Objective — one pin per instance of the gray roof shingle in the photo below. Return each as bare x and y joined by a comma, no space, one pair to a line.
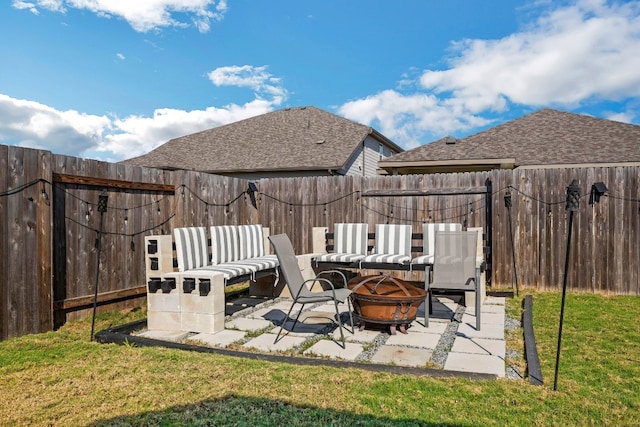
303,138
544,137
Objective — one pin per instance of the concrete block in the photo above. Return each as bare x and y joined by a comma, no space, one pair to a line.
319,241
202,323
306,268
266,232
162,302
199,301
163,321
158,255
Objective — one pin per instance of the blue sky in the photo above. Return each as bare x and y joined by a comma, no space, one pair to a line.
111,79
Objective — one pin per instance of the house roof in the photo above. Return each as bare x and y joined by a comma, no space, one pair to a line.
302,138
543,138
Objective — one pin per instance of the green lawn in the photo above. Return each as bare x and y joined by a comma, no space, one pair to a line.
60,378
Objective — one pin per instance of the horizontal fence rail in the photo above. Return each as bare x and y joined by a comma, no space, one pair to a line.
49,224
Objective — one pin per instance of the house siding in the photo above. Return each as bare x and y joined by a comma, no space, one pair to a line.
364,161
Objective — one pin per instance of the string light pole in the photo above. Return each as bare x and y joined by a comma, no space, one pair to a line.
573,204
102,208
507,204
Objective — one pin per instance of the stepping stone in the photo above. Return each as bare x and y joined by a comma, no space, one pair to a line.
265,343
333,350
479,363
485,318
479,346
414,339
364,336
220,339
436,326
402,356
490,330
302,329
248,324
269,313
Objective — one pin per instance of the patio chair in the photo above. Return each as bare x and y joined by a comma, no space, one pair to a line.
454,266
300,288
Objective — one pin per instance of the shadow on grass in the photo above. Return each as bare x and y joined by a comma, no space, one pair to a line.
247,411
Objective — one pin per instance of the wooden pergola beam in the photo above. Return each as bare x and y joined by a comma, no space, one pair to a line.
111,183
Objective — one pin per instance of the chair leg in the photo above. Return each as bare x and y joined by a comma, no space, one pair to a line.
428,309
287,318
478,298
350,315
335,303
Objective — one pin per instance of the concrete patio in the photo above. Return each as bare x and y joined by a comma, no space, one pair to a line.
450,342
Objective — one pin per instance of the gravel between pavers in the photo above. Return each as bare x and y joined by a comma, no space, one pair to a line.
439,356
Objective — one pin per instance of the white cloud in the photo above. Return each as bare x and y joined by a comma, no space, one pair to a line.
120,56
142,15
570,55
34,125
567,57
136,135
255,78
405,119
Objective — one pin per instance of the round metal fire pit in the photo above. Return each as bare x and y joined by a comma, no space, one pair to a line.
385,300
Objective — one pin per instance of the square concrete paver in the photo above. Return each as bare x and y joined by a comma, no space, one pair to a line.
486,308
269,313
479,346
333,350
479,363
264,342
485,318
361,336
402,356
414,339
174,336
491,331
495,301
436,326
330,308
248,324
221,339
302,329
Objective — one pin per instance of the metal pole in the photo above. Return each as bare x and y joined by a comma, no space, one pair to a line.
102,208
573,203
507,203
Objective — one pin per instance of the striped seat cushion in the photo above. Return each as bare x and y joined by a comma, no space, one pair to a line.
429,239
350,243
229,270
191,247
393,245
225,242
258,263
423,259
251,241
339,257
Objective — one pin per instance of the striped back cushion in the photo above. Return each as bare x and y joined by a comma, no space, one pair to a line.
191,247
350,238
429,235
393,239
251,241
225,244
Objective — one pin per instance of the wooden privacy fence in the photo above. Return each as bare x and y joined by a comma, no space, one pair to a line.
49,224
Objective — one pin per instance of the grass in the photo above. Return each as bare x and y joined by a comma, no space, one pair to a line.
60,378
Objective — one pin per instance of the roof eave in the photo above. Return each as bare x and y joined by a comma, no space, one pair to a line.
506,163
